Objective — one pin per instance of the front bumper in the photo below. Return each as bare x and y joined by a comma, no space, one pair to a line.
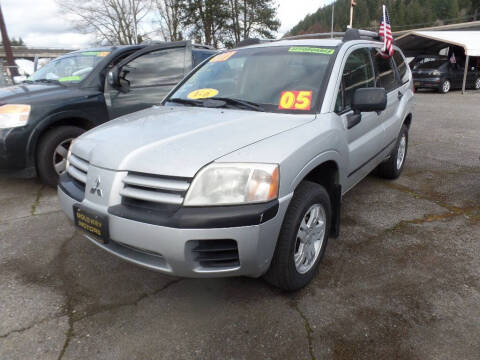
170,250
434,82
13,149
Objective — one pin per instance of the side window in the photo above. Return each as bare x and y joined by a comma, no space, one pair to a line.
357,73
384,74
402,66
159,67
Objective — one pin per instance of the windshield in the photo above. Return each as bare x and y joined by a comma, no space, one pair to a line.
277,78
69,69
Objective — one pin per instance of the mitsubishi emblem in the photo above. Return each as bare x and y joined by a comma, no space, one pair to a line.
96,188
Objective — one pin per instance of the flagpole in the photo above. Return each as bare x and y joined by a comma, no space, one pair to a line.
333,13
351,14
384,24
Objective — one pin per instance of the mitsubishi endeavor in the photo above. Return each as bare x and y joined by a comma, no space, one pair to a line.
241,168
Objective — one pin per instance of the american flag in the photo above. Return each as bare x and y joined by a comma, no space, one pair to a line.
386,33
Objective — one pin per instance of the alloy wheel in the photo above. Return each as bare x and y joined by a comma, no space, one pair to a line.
477,84
310,237
402,148
446,86
60,156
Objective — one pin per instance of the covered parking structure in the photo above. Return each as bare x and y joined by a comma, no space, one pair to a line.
431,42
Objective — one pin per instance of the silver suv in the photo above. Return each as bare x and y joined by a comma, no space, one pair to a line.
241,169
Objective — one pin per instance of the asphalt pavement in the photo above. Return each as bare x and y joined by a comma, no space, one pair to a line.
401,282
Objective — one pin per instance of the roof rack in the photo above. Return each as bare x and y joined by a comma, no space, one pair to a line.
349,35
252,41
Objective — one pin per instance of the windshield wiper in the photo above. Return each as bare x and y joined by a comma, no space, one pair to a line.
49,81
242,103
186,101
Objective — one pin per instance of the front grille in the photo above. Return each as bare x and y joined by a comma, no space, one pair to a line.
78,169
216,253
154,189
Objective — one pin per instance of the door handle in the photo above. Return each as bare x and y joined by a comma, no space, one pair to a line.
400,95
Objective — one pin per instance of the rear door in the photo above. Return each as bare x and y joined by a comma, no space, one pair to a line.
366,138
386,77
149,74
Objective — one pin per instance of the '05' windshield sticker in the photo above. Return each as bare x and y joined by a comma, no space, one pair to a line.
202,93
311,50
223,57
295,100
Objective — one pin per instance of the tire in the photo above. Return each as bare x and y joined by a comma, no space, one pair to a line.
445,87
283,271
476,84
46,157
393,167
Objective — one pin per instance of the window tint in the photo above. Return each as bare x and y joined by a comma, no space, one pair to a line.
155,68
384,74
357,73
402,66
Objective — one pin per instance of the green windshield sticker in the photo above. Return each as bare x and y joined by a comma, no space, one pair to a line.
95,53
70,78
311,50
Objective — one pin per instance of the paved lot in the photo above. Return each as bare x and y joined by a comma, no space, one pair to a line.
402,281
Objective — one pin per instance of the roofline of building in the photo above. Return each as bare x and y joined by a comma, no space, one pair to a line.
459,26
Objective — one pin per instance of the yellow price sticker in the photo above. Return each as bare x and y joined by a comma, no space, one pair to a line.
202,94
223,57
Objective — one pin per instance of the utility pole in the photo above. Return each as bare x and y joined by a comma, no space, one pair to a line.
353,3
7,47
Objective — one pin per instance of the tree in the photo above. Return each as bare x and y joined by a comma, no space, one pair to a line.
251,18
172,18
116,22
15,42
209,19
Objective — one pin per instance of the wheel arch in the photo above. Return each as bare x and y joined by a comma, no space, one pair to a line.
61,119
408,120
327,174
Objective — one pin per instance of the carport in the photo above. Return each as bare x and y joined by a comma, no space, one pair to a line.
431,42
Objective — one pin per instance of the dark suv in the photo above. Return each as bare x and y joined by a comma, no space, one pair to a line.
71,94
436,72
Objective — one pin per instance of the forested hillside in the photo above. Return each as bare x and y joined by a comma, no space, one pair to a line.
404,14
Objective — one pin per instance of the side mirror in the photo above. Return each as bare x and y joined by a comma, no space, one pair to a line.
369,99
366,100
113,78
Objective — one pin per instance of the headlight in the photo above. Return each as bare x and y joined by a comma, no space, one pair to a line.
14,115
233,184
436,73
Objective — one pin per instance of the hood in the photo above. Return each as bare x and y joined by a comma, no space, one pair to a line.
178,141
30,93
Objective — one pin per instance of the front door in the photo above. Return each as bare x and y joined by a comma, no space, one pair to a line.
385,77
149,74
366,138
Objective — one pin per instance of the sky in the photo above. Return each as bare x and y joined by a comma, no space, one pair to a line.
40,24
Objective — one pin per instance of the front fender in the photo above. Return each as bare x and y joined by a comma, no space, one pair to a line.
46,123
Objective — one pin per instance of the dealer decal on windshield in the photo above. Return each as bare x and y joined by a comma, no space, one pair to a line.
96,53
70,78
311,50
223,57
295,100
202,93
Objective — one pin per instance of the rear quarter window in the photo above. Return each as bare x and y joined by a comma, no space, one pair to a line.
402,66
384,73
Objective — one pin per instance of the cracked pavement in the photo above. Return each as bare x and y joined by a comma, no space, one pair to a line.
402,280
